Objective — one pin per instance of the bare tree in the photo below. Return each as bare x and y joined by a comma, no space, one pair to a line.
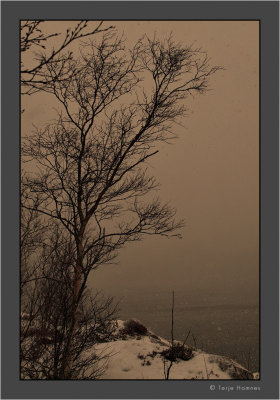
117,105
46,317
33,39
47,257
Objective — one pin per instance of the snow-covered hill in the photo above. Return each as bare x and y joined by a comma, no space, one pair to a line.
137,353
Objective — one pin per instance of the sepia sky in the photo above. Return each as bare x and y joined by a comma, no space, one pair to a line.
210,174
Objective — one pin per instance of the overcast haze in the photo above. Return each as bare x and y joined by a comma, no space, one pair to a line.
210,174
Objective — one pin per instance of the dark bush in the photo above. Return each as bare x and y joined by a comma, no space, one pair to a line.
153,354
178,351
133,327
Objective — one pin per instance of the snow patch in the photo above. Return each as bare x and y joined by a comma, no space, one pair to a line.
139,356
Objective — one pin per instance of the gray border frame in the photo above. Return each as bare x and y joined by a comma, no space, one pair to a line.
265,11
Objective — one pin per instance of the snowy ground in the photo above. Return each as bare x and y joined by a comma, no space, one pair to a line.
137,353
138,356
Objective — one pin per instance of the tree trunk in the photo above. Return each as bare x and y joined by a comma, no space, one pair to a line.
66,372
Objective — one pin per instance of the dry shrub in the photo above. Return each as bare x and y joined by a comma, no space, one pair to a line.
178,351
133,327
